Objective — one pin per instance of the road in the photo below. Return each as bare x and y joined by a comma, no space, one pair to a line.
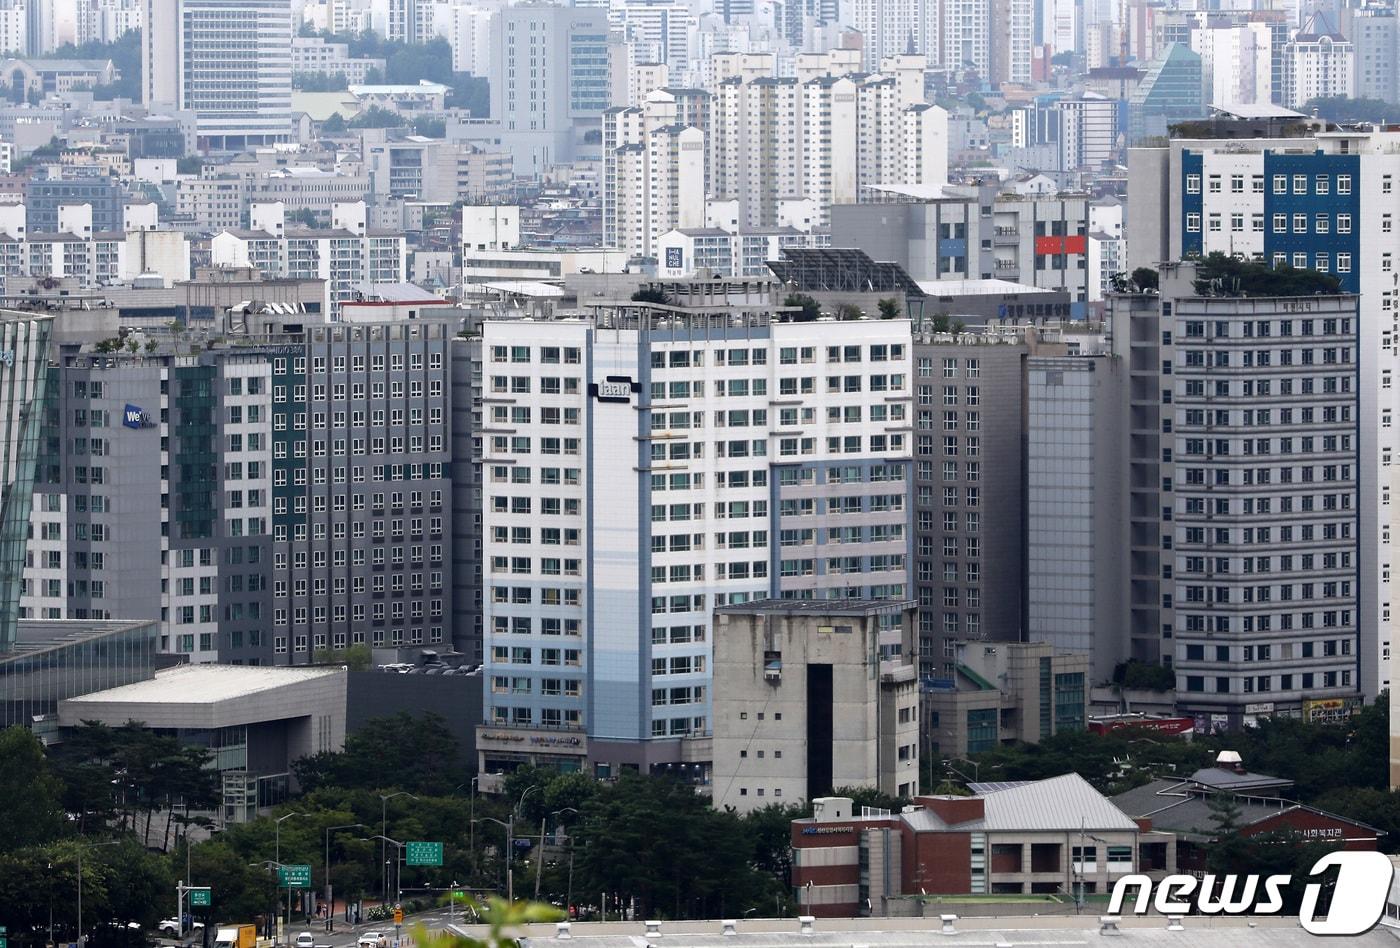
345,936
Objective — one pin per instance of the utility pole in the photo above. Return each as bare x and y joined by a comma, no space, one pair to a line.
539,863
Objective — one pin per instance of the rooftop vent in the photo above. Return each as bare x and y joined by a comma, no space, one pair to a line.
948,927
653,928
729,928
806,922
1108,925
561,931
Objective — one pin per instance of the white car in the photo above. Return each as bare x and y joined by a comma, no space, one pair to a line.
370,940
171,927
306,940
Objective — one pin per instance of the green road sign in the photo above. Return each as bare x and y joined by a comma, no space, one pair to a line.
4,937
423,854
294,876
201,897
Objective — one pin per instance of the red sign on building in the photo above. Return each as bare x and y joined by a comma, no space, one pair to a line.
1046,246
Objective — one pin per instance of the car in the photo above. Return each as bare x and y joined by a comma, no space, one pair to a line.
370,939
170,927
306,940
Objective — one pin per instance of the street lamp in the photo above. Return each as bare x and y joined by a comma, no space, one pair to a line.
510,832
471,843
82,940
330,897
976,768
539,863
384,829
277,856
277,853
398,852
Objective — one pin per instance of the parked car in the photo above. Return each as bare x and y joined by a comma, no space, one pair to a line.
370,940
170,927
306,940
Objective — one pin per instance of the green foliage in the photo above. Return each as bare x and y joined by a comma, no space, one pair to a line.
189,164
503,917
890,308
355,657
651,295
414,753
376,117
1145,278
1345,110
1145,675
659,841
334,125
1222,275
849,311
125,54
410,62
942,322
811,309
33,811
430,126
320,82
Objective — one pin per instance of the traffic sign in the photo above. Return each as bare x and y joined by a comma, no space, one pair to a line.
294,876
201,898
398,915
423,854
459,895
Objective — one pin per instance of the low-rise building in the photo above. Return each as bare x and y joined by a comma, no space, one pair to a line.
1057,837
1004,692
1182,806
813,695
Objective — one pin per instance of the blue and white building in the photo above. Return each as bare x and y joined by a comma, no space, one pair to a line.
1329,202
649,463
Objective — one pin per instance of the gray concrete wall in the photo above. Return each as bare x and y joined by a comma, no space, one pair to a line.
456,697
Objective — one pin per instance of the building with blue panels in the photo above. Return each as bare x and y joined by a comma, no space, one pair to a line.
1327,201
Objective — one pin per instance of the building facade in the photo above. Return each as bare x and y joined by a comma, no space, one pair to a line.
24,340
604,562
812,696
1249,591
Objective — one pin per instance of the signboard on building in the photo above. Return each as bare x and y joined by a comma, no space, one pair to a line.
614,388
134,416
422,854
201,898
675,258
1329,710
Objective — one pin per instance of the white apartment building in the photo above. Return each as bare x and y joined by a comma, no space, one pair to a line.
313,55
1237,63
1318,64
775,140
92,258
468,31
228,61
643,466
1332,203
347,256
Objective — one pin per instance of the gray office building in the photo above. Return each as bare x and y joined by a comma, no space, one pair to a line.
969,501
1075,507
1242,480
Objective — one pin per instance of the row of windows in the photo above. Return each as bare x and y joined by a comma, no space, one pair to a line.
1320,184
1264,653
1253,684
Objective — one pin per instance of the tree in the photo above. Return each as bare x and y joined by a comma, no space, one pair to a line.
33,811
849,311
125,54
1345,110
376,117
811,309
651,294
430,126
1136,674
1145,278
889,308
1219,274
410,752
334,125
942,322
189,164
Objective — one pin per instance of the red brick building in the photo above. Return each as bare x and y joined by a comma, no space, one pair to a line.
1057,837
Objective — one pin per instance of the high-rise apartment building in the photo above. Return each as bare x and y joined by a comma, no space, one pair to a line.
1169,92
227,61
23,384
644,466
1318,63
1243,477
1328,202
265,502
549,80
1374,32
